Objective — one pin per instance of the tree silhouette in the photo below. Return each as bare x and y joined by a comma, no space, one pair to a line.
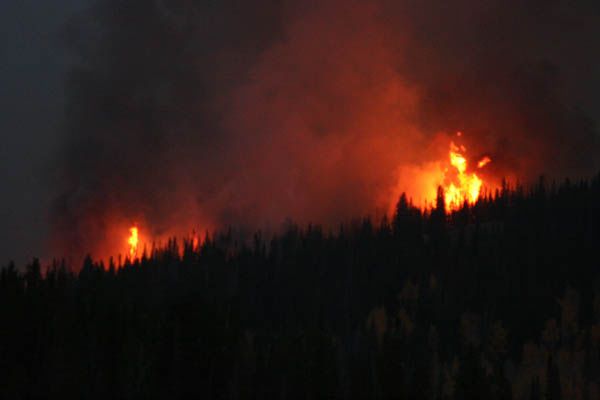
430,306
553,389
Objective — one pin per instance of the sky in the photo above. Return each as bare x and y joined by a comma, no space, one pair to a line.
33,64
233,113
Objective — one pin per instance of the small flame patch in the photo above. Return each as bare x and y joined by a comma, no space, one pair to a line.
133,241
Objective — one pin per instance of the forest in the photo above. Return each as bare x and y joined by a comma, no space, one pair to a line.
498,300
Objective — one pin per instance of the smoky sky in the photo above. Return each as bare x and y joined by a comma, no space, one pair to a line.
33,63
199,114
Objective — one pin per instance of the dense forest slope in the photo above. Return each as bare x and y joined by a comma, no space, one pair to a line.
496,301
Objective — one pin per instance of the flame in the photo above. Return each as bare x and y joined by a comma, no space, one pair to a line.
483,162
195,242
133,241
453,173
465,187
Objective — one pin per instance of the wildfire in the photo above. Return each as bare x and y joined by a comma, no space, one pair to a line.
463,186
458,176
133,241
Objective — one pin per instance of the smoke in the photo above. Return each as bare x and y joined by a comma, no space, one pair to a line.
185,114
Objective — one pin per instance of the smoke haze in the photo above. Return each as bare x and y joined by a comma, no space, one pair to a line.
184,114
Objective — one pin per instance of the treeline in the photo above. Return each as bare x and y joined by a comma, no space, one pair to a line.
500,300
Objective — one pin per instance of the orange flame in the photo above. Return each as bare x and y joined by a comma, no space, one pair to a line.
195,242
466,186
133,241
454,174
483,162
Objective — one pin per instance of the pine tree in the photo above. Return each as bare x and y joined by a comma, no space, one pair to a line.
553,391
536,393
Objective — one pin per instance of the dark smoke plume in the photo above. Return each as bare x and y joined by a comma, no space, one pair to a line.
205,114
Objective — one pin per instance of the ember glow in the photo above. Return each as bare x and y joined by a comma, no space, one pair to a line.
133,241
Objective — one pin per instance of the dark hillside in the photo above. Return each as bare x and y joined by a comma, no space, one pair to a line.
496,301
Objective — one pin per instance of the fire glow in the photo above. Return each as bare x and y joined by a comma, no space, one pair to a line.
454,174
460,178
137,240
